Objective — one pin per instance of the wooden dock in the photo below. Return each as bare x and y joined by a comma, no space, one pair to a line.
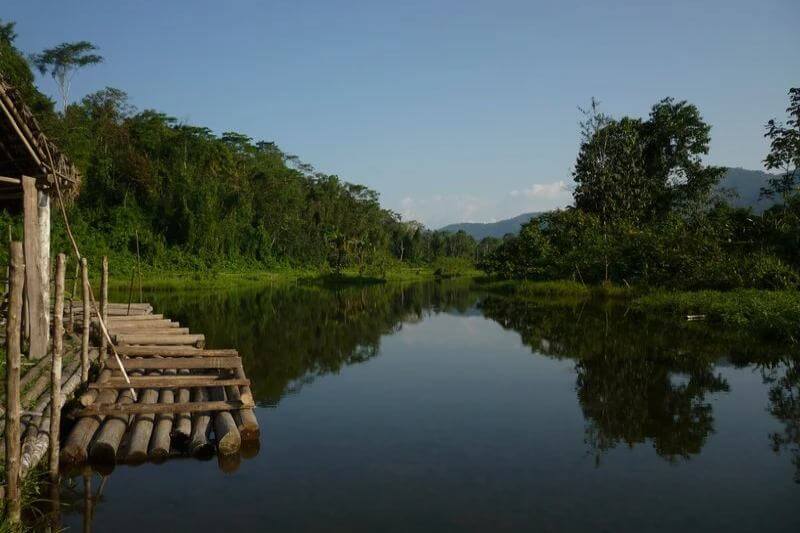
178,399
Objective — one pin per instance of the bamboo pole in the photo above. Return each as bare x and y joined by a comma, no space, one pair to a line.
103,306
13,355
86,321
55,369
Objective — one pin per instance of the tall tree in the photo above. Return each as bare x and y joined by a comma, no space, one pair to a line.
784,153
63,61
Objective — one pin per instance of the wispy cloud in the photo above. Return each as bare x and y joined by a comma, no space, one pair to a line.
438,210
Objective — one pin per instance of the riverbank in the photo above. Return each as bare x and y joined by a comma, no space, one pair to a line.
774,314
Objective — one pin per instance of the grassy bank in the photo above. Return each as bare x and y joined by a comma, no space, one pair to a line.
769,313
774,314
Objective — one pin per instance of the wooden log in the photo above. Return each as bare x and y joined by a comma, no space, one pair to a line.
75,449
115,331
141,408
142,428
173,351
164,340
55,372
86,323
247,421
134,305
226,432
34,372
177,362
199,445
131,318
140,324
106,445
35,277
159,447
13,356
182,426
88,397
103,306
170,382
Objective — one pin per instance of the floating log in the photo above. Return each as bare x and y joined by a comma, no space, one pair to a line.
182,426
106,445
170,382
75,449
118,325
159,447
142,426
173,351
246,418
178,362
34,372
88,397
225,430
199,446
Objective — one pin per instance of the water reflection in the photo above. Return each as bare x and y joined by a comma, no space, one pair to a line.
639,381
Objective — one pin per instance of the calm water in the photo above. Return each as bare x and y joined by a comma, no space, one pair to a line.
436,407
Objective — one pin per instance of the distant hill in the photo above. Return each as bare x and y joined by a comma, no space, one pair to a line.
741,186
746,184
479,230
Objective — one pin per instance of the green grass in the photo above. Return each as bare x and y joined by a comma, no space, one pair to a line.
769,313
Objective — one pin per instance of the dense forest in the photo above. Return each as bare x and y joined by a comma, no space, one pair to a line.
190,199
646,210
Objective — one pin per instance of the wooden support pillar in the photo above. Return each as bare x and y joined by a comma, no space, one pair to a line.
13,356
36,217
55,369
104,307
87,321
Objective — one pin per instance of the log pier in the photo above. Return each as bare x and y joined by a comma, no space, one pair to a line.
190,401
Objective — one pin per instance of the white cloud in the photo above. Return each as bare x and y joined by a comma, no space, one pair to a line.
439,210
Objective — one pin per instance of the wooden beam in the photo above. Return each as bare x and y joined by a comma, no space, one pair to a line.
173,351
141,408
170,382
13,353
181,362
37,306
172,340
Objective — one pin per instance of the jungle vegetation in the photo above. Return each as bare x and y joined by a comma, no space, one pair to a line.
645,211
191,200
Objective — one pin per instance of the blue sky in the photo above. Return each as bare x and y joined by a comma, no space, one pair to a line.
452,110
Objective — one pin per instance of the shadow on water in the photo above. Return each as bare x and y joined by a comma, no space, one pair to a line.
639,379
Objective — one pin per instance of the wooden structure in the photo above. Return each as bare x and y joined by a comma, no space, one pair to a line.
32,174
184,394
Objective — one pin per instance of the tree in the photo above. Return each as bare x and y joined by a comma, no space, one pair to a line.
784,154
7,33
63,61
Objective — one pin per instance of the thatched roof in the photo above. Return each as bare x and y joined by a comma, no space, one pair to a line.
25,150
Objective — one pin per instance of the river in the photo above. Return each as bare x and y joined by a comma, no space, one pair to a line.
439,407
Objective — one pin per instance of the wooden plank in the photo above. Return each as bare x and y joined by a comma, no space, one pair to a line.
13,356
132,318
37,311
140,408
170,382
173,351
114,331
140,324
164,340
177,362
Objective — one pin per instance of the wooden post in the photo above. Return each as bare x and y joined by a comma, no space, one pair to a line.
55,369
87,321
36,277
104,306
13,356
